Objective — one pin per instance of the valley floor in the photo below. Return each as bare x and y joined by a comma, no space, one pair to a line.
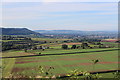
62,64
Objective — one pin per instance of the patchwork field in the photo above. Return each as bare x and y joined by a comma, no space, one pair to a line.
49,39
63,64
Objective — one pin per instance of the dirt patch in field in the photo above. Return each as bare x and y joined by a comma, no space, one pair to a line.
61,74
72,43
93,56
16,69
78,64
69,59
31,58
44,60
22,62
73,59
22,69
109,40
62,58
25,53
108,62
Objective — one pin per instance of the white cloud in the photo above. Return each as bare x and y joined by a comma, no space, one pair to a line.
47,10
47,15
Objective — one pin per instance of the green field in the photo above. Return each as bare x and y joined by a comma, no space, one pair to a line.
49,39
110,43
62,64
10,40
55,51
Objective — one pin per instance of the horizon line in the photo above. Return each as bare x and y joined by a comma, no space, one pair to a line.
58,29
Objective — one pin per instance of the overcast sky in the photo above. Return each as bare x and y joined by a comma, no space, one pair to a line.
61,15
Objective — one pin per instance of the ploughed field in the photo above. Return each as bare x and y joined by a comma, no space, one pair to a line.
63,64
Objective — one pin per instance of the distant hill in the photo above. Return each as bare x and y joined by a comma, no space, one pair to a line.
76,32
59,31
18,31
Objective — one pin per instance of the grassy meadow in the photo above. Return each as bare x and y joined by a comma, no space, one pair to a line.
62,64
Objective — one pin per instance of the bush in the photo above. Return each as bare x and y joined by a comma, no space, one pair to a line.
64,46
73,47
84,44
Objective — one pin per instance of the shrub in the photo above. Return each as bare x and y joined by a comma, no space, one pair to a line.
73,47
64,46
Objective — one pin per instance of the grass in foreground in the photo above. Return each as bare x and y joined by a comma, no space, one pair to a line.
63,64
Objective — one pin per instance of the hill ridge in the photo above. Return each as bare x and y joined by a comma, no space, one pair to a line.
17,31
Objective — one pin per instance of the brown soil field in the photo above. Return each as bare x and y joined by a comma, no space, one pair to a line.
109,40
71,43
78,64
64,59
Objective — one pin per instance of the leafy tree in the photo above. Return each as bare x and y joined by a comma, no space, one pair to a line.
98,43
84,45
64,46
73,47
95,62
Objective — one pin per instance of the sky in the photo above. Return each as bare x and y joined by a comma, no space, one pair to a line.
86,16
60,0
